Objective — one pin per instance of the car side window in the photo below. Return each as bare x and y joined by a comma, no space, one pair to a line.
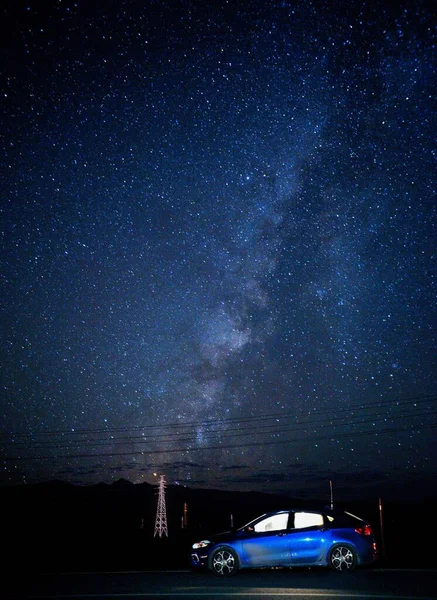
272,523
304,519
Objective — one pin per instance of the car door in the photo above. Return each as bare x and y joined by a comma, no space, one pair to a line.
268,543
307,537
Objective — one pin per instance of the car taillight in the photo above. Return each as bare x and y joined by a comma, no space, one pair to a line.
364,530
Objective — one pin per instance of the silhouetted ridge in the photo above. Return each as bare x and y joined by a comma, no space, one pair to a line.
122,483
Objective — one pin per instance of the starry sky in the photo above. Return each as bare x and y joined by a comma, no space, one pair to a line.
218,244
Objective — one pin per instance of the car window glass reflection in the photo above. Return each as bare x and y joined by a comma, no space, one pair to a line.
304,519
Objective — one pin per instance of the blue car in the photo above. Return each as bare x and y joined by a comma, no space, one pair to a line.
290,538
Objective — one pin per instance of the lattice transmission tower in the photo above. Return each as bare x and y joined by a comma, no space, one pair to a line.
161,514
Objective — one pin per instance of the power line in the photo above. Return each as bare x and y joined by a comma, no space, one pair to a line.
222,446
214,422
225,433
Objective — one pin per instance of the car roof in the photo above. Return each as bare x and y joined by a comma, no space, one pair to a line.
325,511
302,509
343,518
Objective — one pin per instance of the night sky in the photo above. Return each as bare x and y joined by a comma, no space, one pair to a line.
218,244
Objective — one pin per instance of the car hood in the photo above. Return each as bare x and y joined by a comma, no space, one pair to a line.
224,535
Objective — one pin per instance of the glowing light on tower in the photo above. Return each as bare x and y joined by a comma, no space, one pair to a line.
161,514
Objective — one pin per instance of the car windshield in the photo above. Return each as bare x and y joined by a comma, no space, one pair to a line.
268,522
251,523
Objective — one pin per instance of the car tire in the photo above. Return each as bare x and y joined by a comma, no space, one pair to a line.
224,562
342,558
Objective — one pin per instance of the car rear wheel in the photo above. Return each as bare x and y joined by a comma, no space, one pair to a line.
224,562
342,558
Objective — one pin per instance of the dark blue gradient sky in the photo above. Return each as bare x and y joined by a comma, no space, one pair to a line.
218,244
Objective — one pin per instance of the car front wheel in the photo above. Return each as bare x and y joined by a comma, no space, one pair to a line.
224,562
342,558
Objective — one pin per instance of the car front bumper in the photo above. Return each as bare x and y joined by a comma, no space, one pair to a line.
199,560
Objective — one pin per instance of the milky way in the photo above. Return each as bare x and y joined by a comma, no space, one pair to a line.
218,243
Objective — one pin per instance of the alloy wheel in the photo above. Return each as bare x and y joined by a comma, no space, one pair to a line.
342,559
224,563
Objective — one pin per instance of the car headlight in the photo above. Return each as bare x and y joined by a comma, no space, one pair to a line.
201,544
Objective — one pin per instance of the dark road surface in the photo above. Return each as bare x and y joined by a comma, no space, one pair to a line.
371,584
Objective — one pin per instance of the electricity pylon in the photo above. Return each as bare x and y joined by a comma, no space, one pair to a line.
161,514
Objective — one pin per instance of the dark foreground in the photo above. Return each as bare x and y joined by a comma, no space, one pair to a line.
59,527
303,584
85,552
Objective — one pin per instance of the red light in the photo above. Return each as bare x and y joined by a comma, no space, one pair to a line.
364,530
